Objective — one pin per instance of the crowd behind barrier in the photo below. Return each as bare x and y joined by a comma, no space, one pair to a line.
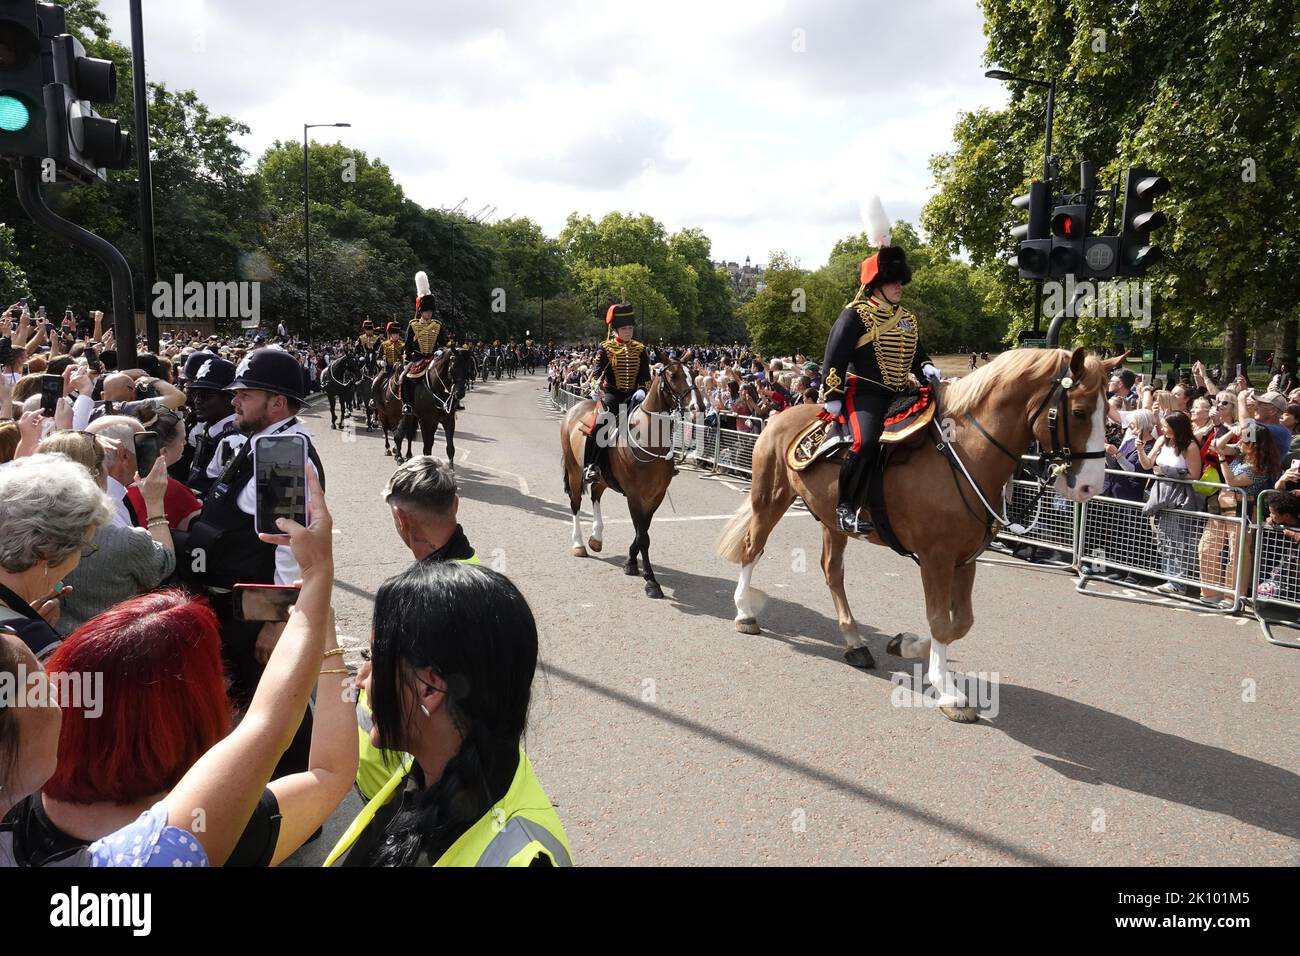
1214,561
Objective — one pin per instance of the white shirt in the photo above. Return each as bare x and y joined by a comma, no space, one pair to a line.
286,566
210,431
121,517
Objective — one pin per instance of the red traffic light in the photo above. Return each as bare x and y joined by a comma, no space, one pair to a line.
1067,226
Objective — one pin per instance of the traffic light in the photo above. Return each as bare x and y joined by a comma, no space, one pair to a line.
1034,239
22,104
1141,188
1069,230
81,142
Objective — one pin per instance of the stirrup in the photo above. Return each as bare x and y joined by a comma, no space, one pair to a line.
407,409
591,474
852,522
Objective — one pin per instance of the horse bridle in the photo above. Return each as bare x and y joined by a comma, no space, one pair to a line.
1052,464
678,409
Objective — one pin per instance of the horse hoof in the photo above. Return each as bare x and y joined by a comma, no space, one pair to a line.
961,715
579,552
748,625
653,590
860,657
631,569
595,544
895,646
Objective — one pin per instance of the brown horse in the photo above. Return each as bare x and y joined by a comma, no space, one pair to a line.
641,464
1051,395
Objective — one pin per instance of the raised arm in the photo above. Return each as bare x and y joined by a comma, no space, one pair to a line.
215,799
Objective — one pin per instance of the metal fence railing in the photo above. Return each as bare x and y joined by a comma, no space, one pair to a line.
1276,576
1182,552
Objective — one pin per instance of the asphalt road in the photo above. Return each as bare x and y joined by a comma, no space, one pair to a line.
1117,734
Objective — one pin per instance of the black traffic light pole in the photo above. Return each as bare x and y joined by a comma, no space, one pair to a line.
144,168
1054,330
27,177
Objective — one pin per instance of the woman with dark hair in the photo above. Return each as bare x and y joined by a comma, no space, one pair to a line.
157,704
1176,456
454,651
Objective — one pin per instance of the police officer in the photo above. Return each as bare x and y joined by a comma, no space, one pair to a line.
223,548
208,376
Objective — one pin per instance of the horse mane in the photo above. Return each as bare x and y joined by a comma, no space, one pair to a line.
967,394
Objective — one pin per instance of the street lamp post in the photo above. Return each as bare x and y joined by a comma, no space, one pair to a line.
306,213
1047,158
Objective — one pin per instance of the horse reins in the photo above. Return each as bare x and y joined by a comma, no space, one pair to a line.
678,409
1052,464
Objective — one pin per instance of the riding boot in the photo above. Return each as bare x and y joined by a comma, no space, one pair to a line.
849,515
590,451
402,387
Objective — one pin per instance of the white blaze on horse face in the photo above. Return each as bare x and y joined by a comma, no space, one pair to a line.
1092,471
941,678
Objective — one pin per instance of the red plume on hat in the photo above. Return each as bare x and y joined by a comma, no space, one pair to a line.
888,263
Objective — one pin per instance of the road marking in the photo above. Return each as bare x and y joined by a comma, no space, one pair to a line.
695,518
523,482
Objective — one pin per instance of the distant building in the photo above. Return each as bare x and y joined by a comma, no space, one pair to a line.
746,279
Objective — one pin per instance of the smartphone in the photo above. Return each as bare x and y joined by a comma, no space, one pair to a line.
281,475
23,302
40,313
264,602
1238,370
92,358
51,392
147,450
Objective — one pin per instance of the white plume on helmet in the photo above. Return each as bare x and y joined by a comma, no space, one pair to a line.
421,283
876,221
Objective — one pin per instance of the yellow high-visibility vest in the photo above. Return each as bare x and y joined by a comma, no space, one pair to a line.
521,828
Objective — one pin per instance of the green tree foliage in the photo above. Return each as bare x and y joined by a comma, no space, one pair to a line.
1193,91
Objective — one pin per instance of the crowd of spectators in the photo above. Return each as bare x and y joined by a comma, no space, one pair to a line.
150,759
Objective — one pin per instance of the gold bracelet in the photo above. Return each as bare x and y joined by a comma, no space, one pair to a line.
339,670
155,522
336,650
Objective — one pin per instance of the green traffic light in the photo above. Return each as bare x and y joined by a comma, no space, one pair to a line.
14,114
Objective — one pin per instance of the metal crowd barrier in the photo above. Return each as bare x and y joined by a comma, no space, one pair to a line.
1051,524
1276,580
1196,551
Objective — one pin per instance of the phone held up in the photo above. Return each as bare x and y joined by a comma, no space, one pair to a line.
264,602
147,450
51,392
280,471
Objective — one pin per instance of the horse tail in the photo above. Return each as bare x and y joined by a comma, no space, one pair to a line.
732,541
564,473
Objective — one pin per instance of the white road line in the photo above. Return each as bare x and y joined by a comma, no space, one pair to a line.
523,482
696,518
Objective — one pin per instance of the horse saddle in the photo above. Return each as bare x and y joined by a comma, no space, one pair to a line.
908,415
419,369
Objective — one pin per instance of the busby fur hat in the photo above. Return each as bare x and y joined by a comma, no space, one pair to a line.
888,263
423,295
620,314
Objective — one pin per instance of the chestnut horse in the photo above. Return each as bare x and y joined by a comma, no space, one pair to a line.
1052,395
641,465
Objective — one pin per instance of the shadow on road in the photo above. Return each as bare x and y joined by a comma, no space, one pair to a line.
1094,746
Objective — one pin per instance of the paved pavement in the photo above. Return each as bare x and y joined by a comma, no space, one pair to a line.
1122,734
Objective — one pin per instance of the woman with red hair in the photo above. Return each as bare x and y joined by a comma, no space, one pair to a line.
152,702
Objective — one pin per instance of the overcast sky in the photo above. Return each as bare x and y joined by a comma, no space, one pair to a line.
765,123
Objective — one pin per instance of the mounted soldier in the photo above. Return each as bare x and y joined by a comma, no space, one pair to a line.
623,375
423,338
367,344
881,341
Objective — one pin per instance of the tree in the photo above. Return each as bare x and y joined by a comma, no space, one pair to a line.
1192,96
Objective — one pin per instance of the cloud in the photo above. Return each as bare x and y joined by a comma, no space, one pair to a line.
711,114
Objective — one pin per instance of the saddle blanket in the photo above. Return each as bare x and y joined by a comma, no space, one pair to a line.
419,369
907,415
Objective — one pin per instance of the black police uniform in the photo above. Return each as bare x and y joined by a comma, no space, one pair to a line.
222,548
208,372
